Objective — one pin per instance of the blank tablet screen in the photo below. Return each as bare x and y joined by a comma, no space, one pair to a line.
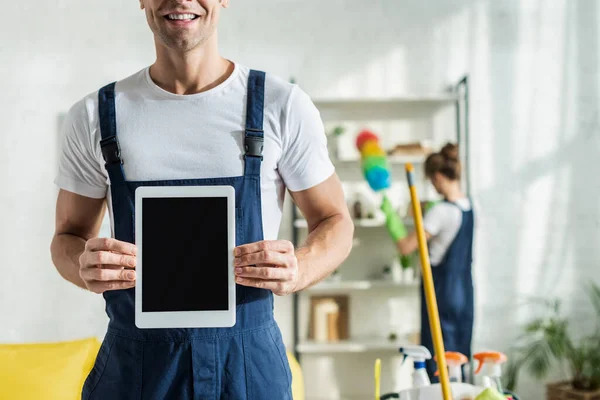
184,254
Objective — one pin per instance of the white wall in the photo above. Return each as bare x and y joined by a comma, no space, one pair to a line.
535,121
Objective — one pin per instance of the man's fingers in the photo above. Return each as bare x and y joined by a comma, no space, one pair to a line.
101,287
259,283
107,274
107,257
263,257
110,244
283,246
265,273
279,288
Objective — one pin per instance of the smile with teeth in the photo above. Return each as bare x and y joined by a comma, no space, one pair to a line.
182,17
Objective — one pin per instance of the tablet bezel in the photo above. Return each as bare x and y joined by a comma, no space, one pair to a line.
185,319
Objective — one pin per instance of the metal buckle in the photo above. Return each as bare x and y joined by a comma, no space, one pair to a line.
254,145
111,150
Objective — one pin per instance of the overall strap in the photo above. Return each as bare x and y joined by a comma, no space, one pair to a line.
254,134
108,131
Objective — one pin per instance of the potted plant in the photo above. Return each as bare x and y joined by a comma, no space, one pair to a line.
332,141
548,342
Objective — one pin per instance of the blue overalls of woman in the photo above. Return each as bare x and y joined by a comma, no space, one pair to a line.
449,228
196,118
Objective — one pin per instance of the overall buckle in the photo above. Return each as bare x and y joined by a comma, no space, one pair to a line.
254,145
111,150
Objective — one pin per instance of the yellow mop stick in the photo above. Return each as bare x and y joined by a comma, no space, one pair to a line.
378,379
432,309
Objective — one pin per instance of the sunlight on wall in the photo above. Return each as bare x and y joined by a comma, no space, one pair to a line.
481,100
541,43
535,258
561,249
451,39
539,80
385,76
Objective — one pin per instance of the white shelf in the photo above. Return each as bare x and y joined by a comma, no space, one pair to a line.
413,159
363,223
366,223
423,100
348,286
352,346
358,109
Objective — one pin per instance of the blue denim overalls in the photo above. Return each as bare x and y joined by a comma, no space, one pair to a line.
247,361
454,292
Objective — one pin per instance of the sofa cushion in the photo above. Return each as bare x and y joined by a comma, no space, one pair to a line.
49,371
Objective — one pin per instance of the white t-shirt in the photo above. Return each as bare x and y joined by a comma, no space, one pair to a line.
443,222
167,136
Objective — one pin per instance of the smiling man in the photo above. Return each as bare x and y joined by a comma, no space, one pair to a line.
195,118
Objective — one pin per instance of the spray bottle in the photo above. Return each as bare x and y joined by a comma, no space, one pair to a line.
490,368
419,354
455,361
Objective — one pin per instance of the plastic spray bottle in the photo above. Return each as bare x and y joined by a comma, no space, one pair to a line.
455,361
490,369
419,354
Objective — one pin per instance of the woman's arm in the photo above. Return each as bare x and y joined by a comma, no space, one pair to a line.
406,243
410,243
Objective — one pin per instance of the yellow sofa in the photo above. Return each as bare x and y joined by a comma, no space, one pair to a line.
57,371
49,371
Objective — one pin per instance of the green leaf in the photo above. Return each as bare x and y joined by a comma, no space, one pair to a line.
534,326
338,131
511,375
557,338
577,359
538,358
555,305
594,293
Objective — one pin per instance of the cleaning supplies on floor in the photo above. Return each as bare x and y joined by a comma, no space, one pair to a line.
455,361
490,394
489,370
419,354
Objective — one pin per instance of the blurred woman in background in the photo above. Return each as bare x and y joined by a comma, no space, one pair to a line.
449,227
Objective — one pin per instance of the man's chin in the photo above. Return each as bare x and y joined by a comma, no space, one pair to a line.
179,43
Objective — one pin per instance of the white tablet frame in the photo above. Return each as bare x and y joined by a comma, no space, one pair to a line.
184,319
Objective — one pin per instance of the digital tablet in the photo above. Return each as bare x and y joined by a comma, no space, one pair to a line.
185,237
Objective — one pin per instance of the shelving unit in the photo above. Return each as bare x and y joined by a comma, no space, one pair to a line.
417,159
352,346
363,223
349,286
383,108
370,291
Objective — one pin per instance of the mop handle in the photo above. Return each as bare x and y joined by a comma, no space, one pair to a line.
432,309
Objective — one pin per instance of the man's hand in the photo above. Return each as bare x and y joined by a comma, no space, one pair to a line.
107,264
269,264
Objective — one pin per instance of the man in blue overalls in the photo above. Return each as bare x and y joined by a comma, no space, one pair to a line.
449,228
195,118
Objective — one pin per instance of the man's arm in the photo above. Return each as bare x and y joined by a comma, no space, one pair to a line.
276,266
79,255
78,219
330,231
